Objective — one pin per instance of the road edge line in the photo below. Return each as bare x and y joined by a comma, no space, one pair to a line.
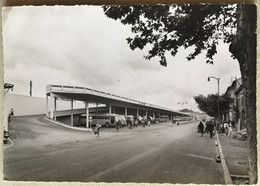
66,126
226,173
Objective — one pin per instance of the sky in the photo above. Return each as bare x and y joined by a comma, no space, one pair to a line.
80,46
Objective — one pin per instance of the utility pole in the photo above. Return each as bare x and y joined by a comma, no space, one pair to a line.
30,88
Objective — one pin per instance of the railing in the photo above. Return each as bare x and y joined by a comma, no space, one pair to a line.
75,89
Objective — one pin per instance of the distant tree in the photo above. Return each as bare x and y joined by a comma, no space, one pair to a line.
209,104
186,110
167,28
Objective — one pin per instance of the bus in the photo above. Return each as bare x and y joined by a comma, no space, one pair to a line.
182,118
163,118
186,118
106,120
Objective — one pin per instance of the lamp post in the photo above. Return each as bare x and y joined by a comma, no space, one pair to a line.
7,88
218,91
182,103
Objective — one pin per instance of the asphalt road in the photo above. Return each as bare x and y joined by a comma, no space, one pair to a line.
161,153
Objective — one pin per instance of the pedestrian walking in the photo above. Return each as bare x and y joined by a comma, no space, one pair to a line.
118,124
207,127
97,129
222,130
226,128
217,124
144,122
201,128
230,129
130,124
135,123
210,129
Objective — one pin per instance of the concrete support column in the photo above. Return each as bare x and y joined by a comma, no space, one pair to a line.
146,113
125,111
55,108
153,114
51,105
71,116
87,114
47,106
110,109
137,112
96,107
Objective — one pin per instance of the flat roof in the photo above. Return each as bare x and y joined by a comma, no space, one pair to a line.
95,96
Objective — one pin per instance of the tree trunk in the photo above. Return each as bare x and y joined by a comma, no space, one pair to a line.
243,47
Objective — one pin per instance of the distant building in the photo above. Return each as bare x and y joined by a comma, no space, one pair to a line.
236,111
203,117
191,113
240,108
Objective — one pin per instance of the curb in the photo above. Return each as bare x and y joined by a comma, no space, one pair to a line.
11,145
67,126
227,176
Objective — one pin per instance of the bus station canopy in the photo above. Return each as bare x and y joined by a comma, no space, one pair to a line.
95,96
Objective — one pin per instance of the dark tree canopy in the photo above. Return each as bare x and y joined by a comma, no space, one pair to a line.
166,28
209,104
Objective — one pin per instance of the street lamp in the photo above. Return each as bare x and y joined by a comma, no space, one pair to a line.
8,86
218,91
182,103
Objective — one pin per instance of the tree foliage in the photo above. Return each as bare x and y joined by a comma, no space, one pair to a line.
209,104
167,28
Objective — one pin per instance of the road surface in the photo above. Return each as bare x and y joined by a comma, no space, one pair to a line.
160,153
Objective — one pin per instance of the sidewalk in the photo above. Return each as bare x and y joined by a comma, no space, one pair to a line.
236,154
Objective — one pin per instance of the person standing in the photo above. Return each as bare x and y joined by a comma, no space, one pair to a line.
12,112
201,128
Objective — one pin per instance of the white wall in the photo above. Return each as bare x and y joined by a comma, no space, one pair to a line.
24,105
28,105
